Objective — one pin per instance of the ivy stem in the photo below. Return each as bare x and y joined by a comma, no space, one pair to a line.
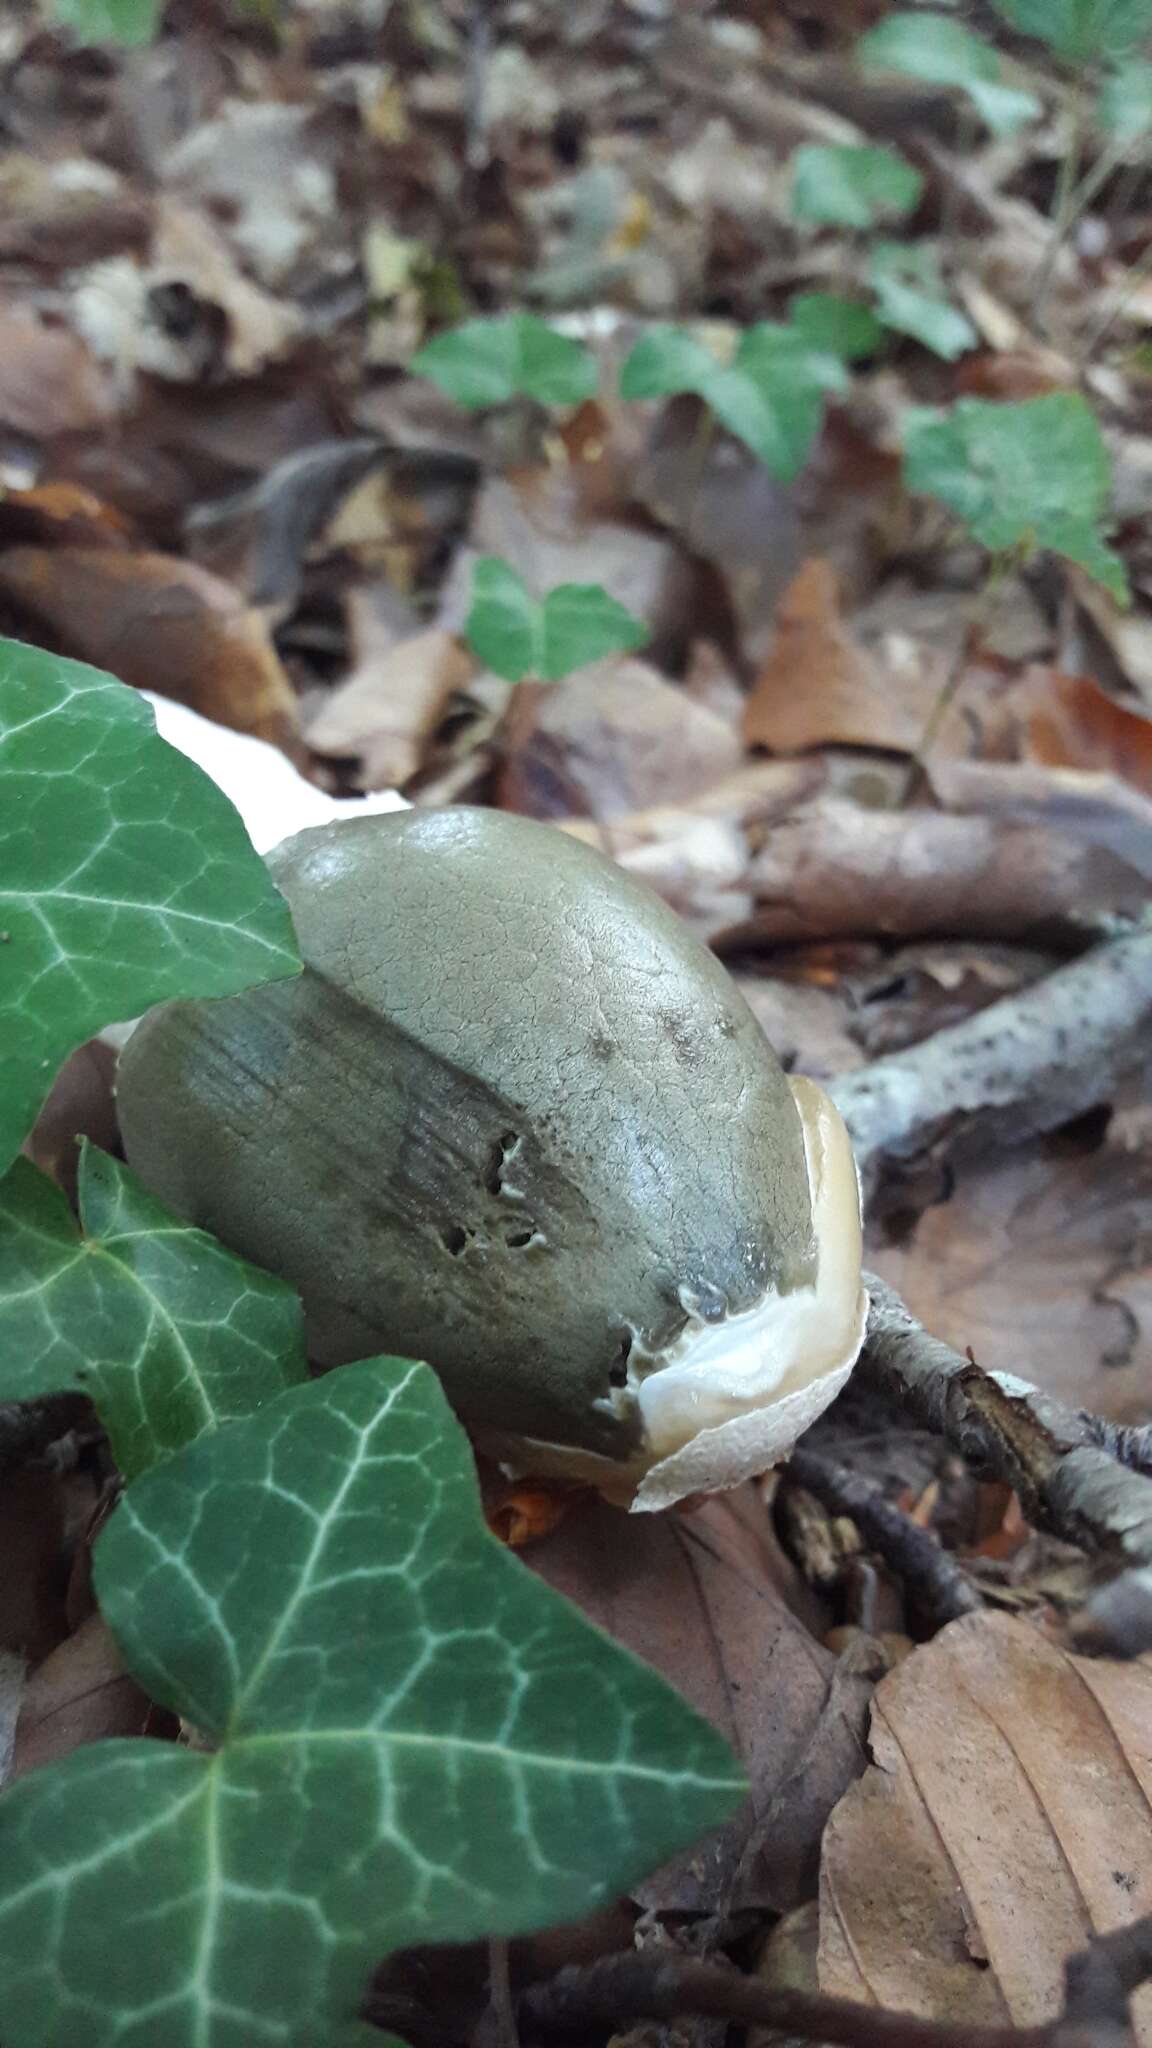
979,619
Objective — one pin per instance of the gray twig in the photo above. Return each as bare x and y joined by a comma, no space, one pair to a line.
1048,1453
1046,1054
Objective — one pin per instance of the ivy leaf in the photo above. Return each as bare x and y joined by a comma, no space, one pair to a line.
489,362
836,326
1031,474
771,395
943,51
125,875
111,21
1082,29
170,1334
844,186
418,1741
910,299
518,635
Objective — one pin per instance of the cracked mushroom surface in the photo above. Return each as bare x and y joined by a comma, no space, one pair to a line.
516,1120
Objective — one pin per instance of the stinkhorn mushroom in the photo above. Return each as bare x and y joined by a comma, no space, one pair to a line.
515,1120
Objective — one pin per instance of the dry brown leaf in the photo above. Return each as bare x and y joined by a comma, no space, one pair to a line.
818,686
49,382
1127,633
613,738
1070,722
1042,1263
708,1599
81,1693
1007,1818
390,706
60,515
837,870
160,624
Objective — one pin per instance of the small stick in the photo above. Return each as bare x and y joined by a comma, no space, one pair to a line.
606,1996
1047,1453
1047,1054
938,1583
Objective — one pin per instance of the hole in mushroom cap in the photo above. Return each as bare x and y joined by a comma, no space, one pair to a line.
504,1149
454,1239
618,1370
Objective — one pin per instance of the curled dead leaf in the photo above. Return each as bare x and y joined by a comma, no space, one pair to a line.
389,707
818,686
1006,1819
159,624
81,1693
709,1600
615,737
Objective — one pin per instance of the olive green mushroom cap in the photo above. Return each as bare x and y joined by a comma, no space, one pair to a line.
514,1119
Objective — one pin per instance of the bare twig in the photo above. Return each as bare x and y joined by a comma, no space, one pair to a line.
608,1994
1048,1453
935,1579
1048,1054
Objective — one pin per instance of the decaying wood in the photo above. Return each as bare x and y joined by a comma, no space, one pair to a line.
1050,1454
1024,1065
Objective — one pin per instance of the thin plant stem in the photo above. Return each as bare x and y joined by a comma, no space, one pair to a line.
1064,214
979,620
502,2003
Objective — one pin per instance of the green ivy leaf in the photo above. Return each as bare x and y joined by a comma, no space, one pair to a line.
170,1334
910,299
111,21
1031,474
518,635
125,875
771,395
836,326
844,186
489,362
1124,108
944,52
1082,29
418,1741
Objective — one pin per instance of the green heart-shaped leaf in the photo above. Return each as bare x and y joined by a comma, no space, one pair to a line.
518,635
1031,474
1082,29
169,1333
771,395
941,50
125,875
418,1741
910,299
489,362
834,326
844,186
